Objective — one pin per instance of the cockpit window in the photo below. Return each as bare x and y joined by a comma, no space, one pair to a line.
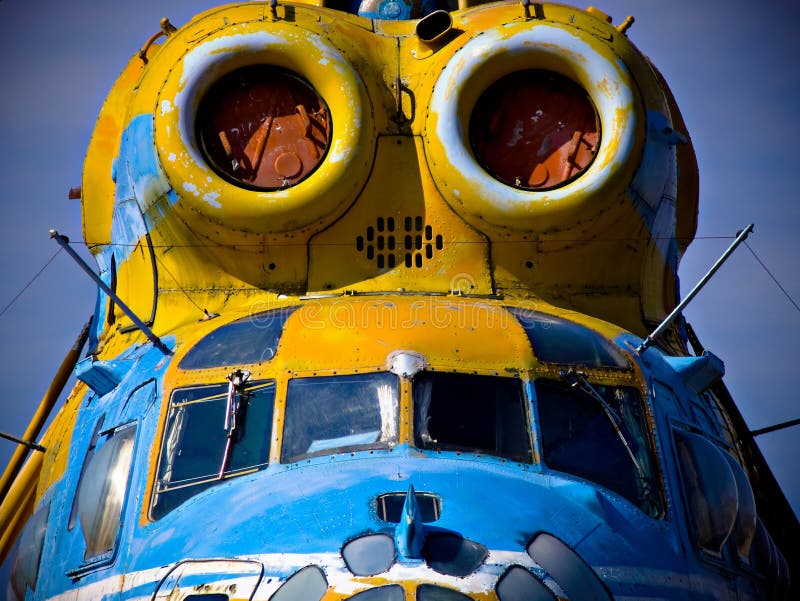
606,443
340,413
476,414
252,339
556,340
212,432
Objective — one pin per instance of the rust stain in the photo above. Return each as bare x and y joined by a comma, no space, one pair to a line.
264,128
535,130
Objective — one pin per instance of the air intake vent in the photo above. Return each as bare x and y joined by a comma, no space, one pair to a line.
392,241
390,506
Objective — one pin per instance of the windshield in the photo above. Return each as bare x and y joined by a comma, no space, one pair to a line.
198,452
579,437
340,413
477,414
252,339
556,340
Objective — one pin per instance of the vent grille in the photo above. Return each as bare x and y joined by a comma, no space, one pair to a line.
391,242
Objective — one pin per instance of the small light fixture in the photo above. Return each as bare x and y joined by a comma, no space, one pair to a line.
406,364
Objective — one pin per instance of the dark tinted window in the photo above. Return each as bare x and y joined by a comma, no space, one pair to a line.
572,574
745,527
518,584
252,339
330,414
195,440
393,592
452,554
390,506
477,414
579,438
709,484
431,592
556,340
768,560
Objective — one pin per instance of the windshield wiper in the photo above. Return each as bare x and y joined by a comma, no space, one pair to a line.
578,380
236,381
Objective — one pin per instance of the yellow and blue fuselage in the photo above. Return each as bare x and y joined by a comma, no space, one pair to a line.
402,302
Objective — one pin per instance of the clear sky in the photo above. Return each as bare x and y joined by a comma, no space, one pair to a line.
732,66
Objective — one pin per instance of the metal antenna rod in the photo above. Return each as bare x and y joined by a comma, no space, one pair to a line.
31,445
64,242
776,427
677,310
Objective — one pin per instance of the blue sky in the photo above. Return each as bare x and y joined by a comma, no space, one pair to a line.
730,65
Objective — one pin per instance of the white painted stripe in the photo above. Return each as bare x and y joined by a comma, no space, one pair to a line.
277,565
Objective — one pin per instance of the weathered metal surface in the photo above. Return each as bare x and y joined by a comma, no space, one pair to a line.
360,176
534,130
264,128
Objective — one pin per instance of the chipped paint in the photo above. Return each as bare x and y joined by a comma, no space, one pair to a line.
233,250
318,197
211,198
608,84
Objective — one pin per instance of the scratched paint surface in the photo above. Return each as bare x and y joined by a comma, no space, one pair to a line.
201,253
289,516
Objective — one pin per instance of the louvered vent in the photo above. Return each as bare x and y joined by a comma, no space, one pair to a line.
394,241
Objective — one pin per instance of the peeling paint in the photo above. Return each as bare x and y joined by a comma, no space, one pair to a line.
546,44
211,198
191,188
304,519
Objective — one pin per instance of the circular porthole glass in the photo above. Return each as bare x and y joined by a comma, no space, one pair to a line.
263,128
534,130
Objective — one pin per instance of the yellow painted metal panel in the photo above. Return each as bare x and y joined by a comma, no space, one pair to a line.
98,189
400,235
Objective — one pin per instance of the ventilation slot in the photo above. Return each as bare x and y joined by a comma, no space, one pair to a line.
408,241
